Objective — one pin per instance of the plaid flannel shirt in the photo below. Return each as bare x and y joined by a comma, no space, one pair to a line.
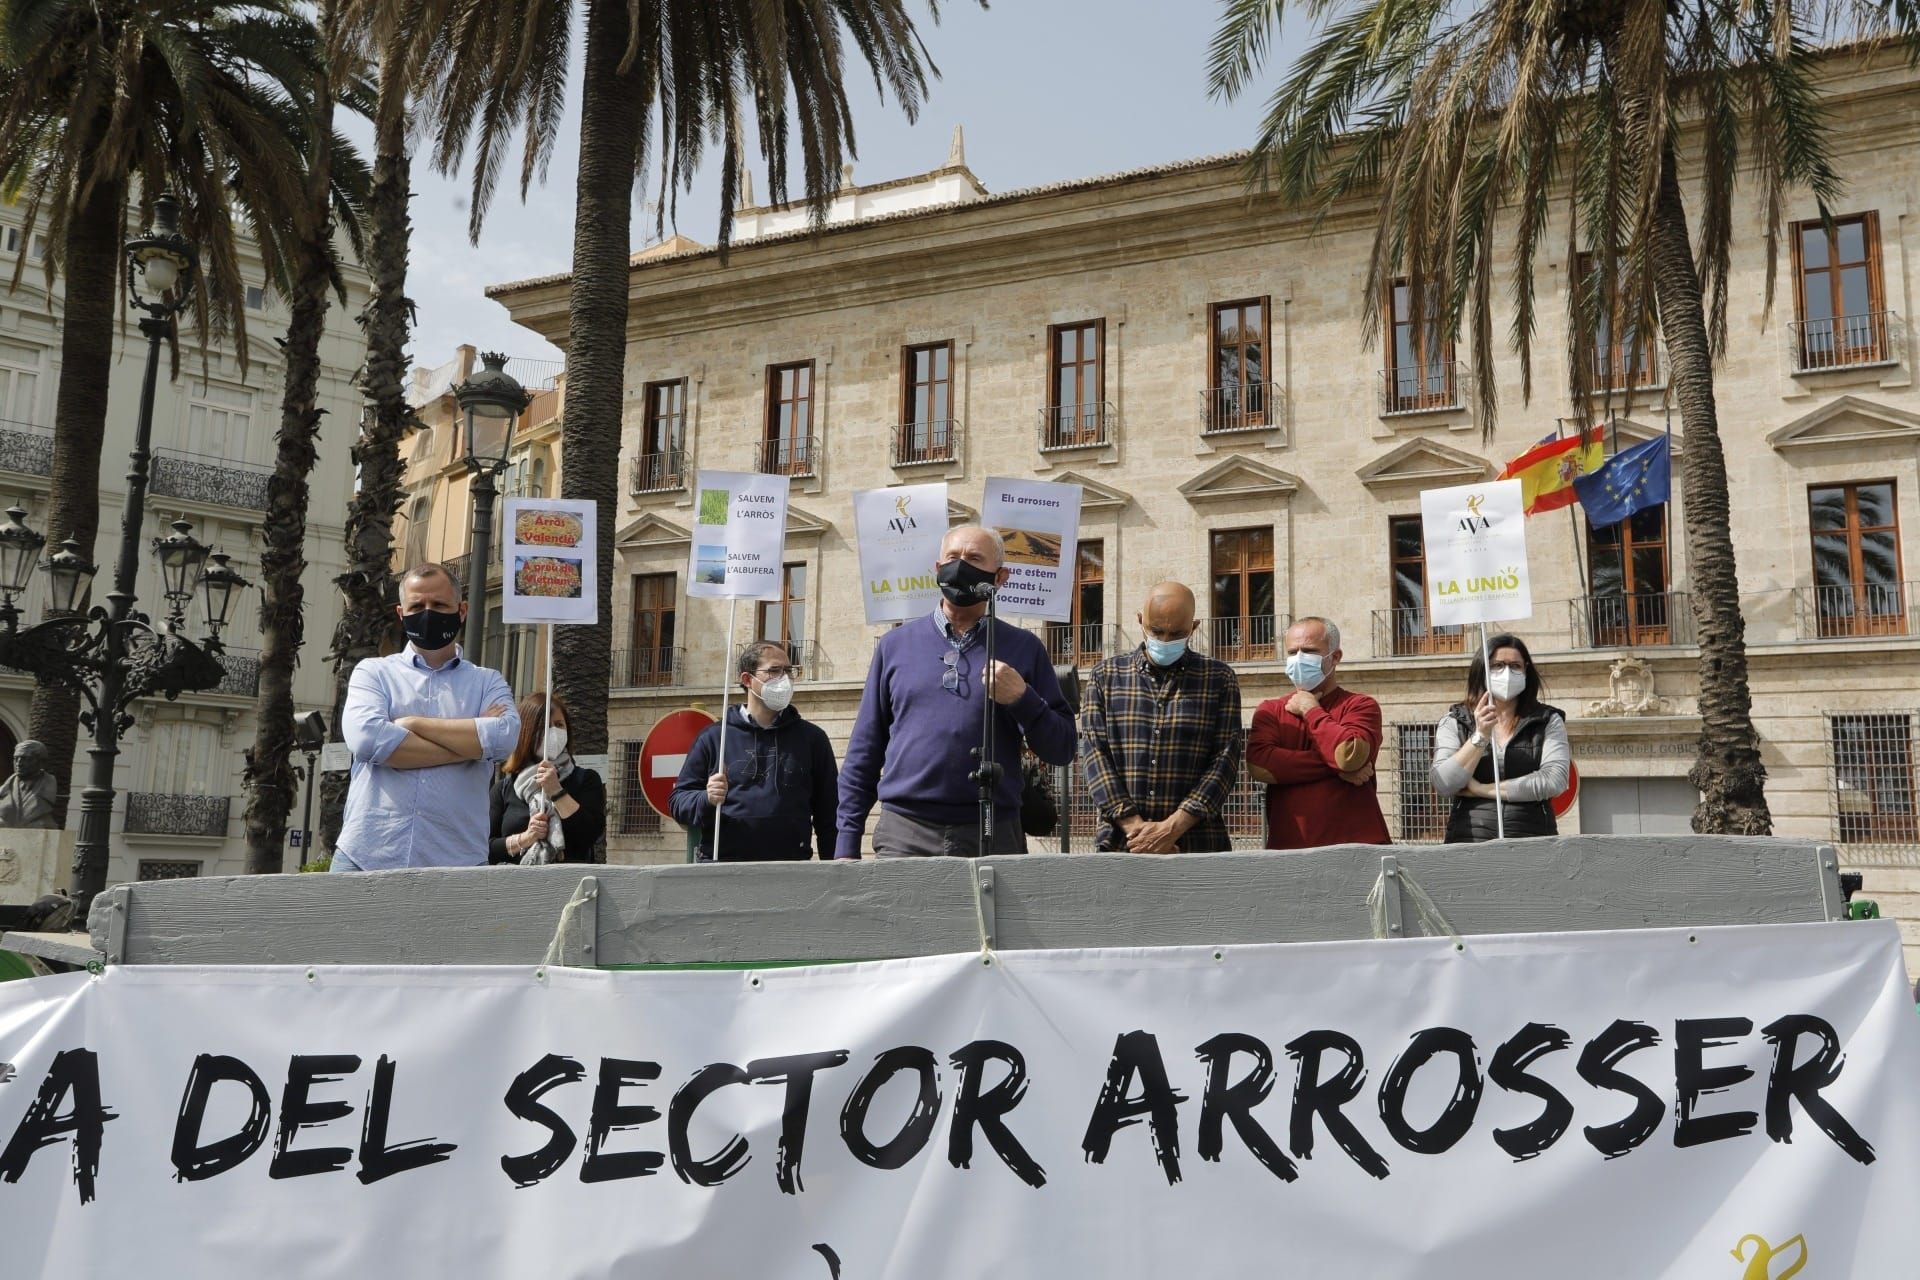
1153,740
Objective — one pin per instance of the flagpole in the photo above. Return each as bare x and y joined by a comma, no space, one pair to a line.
1493,748
726,691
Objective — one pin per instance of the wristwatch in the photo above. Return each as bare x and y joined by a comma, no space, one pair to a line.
1478,739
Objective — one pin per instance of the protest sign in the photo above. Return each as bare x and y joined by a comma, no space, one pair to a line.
549,561
1040,523
1648,1103
739,535
899,532
1476,551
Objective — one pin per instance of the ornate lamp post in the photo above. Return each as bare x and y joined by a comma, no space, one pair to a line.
491,400
112,656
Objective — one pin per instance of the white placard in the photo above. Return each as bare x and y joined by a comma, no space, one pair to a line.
739,535
550,561
1040,523
336,757
1647,1105
1476,551
899,532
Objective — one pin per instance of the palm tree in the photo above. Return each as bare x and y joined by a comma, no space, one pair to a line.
99,98
678,74
1464,124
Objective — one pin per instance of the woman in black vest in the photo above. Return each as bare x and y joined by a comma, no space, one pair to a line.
1530,736
545,808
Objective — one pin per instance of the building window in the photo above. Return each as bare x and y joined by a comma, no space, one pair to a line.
1838,294
1423,814
1076,413
220,422
1627,571
186,758
1240,387
635,816
256,298
784,621
1857,589
661,465
1242,626
1623,355
926,405
19,382
1873,784
787,449
1409,628
159,869
650,661
1419,373
419,525
1083,640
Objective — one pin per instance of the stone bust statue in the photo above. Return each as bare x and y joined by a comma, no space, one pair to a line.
26,799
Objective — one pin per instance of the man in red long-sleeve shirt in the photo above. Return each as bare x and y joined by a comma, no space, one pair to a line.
1316,750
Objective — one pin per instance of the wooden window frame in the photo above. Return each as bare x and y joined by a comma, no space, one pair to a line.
653,669
936,447
1422,400
784,604
1238,421
1404,641
1639,617
1067,641
1064,433
1878,348
1613,369
795,456
1856,621
1245,649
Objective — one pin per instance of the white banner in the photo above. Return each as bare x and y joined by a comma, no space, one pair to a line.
1636,1105
739,535
1476,552
550,561
1040,523
899,532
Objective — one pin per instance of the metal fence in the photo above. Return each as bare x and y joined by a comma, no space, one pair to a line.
1078,426
915,443
1845,342
158,814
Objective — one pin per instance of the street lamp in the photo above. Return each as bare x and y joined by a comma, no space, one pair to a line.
310,737
490,400
113,656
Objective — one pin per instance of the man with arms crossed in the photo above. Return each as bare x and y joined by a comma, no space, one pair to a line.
1316,750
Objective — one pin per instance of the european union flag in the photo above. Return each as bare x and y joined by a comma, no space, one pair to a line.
1630,481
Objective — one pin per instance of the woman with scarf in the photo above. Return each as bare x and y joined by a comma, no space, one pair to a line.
545,808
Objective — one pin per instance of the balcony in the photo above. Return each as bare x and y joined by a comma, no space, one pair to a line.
161,814
1078,426
1407,633
242,673
659,473
918,444
26,449
1854,612
1245,406
1431,388
789,456
222,482
1244,639
1846,342
458,566
1642,620
1082,644
648,668
1618,370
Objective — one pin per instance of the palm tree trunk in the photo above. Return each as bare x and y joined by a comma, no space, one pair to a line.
93,261
610,130
368,626
270,776
1729,773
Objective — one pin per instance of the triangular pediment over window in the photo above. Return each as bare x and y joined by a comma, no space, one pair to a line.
959,513
802,524
1632,433
652,531
1238,477
1423,463
1094,496
1849,420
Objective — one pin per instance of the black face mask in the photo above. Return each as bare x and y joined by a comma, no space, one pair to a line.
430,629
965,585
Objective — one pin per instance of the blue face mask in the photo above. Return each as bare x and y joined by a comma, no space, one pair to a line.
1164,653
1306,670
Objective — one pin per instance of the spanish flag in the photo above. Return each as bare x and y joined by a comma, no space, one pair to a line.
1547,471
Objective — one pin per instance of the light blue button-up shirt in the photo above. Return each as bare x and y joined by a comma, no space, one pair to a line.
432,817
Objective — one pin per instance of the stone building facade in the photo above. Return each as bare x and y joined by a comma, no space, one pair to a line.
1196,360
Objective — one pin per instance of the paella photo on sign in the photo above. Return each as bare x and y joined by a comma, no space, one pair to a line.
548,529
549,577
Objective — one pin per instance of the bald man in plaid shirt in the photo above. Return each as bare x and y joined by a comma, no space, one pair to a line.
1160,737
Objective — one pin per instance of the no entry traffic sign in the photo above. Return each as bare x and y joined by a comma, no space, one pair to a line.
664,751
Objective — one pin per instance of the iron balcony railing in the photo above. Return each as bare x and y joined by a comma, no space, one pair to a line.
198,478
658,668
1404,633
664,472
1083,644
1422,388
241,672
918,443
1243,406
1253,638
1849,611
1619,368
459,565
1640,620
788,456
162,814
1846,342
1078,426
26,448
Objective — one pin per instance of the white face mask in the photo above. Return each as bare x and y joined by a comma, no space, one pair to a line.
1506,685
777,693
556,743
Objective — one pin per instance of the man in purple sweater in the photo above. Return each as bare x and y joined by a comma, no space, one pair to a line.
919,724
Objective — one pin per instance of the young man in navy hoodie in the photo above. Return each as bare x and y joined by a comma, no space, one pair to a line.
913,742
777,791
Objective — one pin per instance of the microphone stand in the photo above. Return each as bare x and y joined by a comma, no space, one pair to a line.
986,774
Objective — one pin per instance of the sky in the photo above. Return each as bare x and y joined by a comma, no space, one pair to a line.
1046,90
